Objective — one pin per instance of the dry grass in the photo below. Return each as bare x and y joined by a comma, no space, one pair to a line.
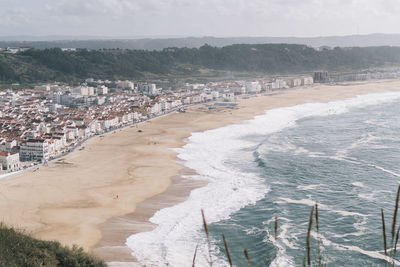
228,255
246,254
194,256
208,238
396,207
384,232
308,240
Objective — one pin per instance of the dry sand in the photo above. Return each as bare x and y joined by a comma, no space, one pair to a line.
90,199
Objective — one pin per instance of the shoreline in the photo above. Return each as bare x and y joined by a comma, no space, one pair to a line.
112,247
117,176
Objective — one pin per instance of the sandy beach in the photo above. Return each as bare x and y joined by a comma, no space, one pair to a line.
100,195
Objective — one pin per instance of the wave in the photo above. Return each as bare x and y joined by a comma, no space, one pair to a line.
371,254
224,158
310,203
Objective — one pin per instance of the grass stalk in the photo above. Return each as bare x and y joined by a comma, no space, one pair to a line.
308,246
384,232
228,255
396,207
208,237
316,217
194,256
395,242
318,237
246,254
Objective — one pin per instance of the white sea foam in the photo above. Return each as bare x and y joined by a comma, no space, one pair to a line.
358,184
218,156
363,162
371,254
281,259
309,187
310,203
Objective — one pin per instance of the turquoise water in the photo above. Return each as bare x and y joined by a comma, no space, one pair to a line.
348,163
344,155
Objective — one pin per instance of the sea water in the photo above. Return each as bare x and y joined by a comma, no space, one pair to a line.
343,155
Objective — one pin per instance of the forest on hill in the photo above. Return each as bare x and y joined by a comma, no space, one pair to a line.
56,65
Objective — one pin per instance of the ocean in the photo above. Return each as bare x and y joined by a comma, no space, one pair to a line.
343,155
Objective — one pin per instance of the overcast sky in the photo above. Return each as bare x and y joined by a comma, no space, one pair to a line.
198,17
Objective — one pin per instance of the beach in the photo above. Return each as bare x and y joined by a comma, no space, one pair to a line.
98,196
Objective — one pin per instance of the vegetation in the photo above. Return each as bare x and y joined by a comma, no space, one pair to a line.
55,65
17,249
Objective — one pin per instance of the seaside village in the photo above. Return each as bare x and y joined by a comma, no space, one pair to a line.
48,121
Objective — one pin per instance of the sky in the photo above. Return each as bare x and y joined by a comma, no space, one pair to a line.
220,18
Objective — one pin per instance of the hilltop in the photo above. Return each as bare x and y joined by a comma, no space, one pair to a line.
159,43
54,64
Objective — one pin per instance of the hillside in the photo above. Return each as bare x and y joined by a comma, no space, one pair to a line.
17,249
54,64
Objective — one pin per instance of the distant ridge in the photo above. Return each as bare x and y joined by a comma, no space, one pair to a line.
98,42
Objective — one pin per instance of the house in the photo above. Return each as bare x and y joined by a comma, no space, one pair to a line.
9,161
7,145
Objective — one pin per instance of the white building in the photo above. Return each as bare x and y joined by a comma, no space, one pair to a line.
150,89
125,85
294,82
84,90
155,109
253,87
9,161
68,49
7,145
238,90
102,90
228,96
215,94
307,81
34,150
45,87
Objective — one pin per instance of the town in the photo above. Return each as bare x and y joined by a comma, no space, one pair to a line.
48,121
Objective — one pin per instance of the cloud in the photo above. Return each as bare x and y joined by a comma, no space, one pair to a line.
197,17
91,8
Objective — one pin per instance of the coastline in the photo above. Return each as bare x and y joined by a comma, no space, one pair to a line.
112,247
76,201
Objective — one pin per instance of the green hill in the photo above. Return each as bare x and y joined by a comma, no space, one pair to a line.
54,64
17,249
